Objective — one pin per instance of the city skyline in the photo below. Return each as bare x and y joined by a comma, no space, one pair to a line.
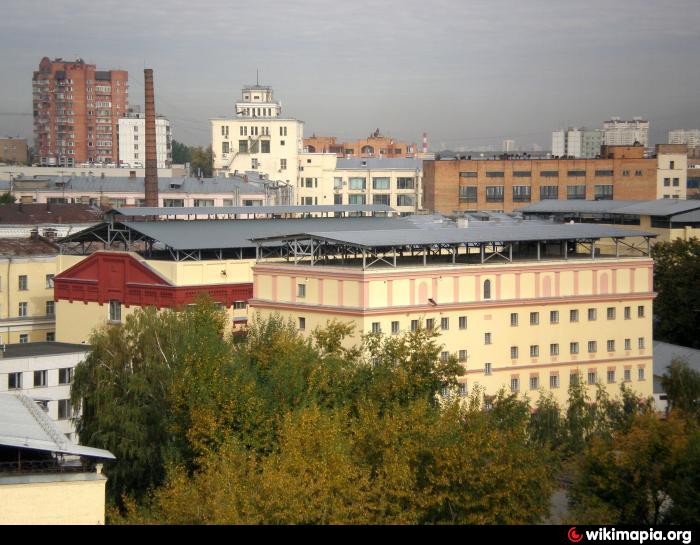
468,75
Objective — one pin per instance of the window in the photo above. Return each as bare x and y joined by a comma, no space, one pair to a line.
628,375
243,146
302,323
23,282
301,290
308,182
357,199
611,346
239,305
576,192
640,311
50,336
628,344
625,172
487,289
554,349
549,173
444,355
514,352
405,200
554,381
444,324
337,183
603,192
430,323
376,327
591,377
381,199
605,173
611,376
592,346
549,192
462,389
675,182
467,193
672,165
283,164
573,348
23,338
640,373
521,193
381,183
50,308
487,368
487,338
640,343
357,183
514,384
467,174
14,381
534,351
49,280
667,182
338,198
592,314
395,328
224,147
40,378
414,325
65,375
628,313
22,309
554,317
514,319
405,183
573,315
611,313
494,174
462,355
265,146
115,311
462,322
494,193
576,173
522,173
573,379
534,383
534,318
65,410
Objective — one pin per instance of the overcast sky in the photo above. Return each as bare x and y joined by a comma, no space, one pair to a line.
469,73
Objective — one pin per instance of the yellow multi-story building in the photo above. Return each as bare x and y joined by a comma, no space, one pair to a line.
27,270
527,306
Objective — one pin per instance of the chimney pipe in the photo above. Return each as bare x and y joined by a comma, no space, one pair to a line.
151,182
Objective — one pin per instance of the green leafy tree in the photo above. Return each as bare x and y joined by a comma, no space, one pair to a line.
682,386
181,153
676,277
201,161
7,198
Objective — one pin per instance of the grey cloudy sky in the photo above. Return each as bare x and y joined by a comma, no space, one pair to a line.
468,73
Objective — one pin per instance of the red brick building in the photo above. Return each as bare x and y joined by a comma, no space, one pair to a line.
76,112
623,173
375,145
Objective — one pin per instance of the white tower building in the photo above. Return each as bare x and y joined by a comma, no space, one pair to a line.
132,140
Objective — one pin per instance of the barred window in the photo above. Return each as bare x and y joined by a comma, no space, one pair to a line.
467,193
494,193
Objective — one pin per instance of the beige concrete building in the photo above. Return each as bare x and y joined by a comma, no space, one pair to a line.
258,138
13,151
526,306
672,171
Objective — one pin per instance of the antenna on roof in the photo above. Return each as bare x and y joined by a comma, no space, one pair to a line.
257,78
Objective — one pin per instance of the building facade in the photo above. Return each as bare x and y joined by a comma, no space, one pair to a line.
689,137
258,138
14,151
672,171
132,140
522,323
577,143
76,112
375,145
621,173
625,133
326,179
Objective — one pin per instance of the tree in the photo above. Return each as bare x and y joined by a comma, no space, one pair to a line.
201,161
682,386
676,277
7,198
181,153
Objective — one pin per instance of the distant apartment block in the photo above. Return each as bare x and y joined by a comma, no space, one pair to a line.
508,146
625,133
13,151
375,145
621,173
258,138
689,137
132,140
577,143
76,112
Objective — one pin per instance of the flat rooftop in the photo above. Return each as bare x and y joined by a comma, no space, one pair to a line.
31,350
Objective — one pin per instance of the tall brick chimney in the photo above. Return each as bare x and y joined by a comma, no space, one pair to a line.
151,182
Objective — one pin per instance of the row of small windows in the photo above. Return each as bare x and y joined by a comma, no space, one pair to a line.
23,306
547,173
15,380
523,193
591,378
611,313
574,348
23,282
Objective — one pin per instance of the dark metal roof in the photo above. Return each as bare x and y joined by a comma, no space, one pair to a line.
36,213
27,246
659,207
231,210
30,350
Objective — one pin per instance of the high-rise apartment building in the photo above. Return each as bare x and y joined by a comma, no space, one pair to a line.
258,139
626,133
76,112
132,140
577,143
689,137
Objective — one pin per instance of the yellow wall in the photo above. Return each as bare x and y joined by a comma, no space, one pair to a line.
582,285
58,502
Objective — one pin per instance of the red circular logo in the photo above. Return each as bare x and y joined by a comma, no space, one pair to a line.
573,535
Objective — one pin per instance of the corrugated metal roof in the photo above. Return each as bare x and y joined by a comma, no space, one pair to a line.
226,210
374,163
509,232
23,424
665,352
659,207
